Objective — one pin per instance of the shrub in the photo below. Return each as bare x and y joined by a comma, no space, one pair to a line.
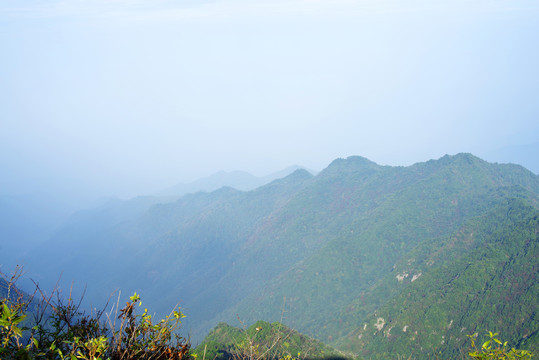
494,349
67,333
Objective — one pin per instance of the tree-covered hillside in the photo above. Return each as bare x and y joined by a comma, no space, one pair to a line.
328,248
484,277
262,340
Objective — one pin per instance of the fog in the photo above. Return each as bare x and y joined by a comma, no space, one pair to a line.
124,98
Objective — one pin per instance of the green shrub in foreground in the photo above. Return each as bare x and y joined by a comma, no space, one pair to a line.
70,334
494,349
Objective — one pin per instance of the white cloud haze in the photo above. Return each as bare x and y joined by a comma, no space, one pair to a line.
127,97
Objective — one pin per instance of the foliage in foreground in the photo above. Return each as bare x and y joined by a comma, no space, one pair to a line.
494,349
60,331
67,333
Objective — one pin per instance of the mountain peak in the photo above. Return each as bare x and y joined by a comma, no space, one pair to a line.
300,174
462,157
354,160
352,164
297,177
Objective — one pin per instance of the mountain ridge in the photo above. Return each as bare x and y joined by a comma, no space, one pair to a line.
327,243
240,180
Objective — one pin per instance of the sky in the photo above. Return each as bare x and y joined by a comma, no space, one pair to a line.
128,97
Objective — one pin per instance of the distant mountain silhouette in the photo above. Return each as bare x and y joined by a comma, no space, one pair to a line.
239,180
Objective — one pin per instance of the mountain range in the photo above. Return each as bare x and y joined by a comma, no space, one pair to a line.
239,180
376,260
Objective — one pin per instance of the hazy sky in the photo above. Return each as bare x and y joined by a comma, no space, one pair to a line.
126,97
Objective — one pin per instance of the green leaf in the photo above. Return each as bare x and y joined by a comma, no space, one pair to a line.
6,311
17,331
18,319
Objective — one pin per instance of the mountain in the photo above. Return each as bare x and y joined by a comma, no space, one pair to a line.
85,239
275,341
482,277
239,180
25,222
328,249
377,217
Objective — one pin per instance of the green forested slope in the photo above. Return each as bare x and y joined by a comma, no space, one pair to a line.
368,235
327,248
483,277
